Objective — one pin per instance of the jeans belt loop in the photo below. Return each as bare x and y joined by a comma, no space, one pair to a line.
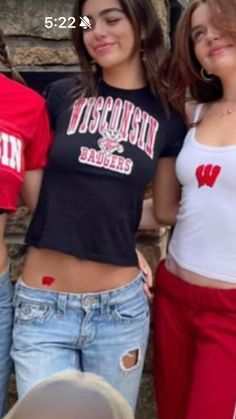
61,303
104,303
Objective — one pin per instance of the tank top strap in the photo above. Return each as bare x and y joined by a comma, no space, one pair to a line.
197,113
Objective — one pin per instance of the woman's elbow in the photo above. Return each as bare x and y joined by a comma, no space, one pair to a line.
166,216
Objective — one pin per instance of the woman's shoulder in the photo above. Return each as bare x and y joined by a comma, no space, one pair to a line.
64,83
62,87
59,96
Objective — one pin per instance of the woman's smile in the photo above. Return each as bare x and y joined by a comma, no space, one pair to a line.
104,47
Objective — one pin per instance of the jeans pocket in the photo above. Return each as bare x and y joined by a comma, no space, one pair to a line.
32,312
133,309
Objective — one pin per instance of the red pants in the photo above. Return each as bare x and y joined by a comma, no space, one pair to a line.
195,350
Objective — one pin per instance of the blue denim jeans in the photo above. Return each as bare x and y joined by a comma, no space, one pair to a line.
93,332
6,319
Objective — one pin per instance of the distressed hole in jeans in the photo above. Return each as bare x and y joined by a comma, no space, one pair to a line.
130,360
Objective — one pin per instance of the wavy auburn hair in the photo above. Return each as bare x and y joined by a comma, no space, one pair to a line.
184,68
143,17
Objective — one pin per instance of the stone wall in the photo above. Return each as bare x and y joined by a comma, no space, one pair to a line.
33,47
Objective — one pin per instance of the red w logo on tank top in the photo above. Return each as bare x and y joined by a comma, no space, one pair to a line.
207,174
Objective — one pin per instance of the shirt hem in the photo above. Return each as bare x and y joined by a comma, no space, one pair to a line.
8,209
199,271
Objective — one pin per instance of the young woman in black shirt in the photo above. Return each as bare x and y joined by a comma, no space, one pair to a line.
80,302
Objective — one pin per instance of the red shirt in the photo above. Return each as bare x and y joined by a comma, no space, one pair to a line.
24,137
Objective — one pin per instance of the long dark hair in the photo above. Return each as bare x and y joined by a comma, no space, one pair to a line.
184,69
6,59
143,17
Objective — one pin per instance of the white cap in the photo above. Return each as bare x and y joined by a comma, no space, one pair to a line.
71,395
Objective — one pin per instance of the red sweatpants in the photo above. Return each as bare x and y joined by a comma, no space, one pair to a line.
195,350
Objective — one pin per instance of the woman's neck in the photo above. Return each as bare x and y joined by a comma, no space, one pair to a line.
123,78
229,88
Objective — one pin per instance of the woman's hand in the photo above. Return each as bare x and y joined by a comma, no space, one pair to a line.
147,273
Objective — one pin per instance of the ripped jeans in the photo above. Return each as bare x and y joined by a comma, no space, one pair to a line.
104,332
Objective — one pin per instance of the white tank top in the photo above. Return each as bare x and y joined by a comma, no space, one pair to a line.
204,238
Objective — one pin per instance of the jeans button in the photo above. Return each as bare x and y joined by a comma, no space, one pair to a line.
87,301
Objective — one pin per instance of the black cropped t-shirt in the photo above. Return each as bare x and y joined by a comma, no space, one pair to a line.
104,153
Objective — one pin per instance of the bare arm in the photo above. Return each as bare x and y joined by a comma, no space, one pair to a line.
166,192
166,188
163,207
31,187
148,220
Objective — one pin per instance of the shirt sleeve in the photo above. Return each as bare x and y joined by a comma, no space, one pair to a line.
37,148
53,101
175,134
56,95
